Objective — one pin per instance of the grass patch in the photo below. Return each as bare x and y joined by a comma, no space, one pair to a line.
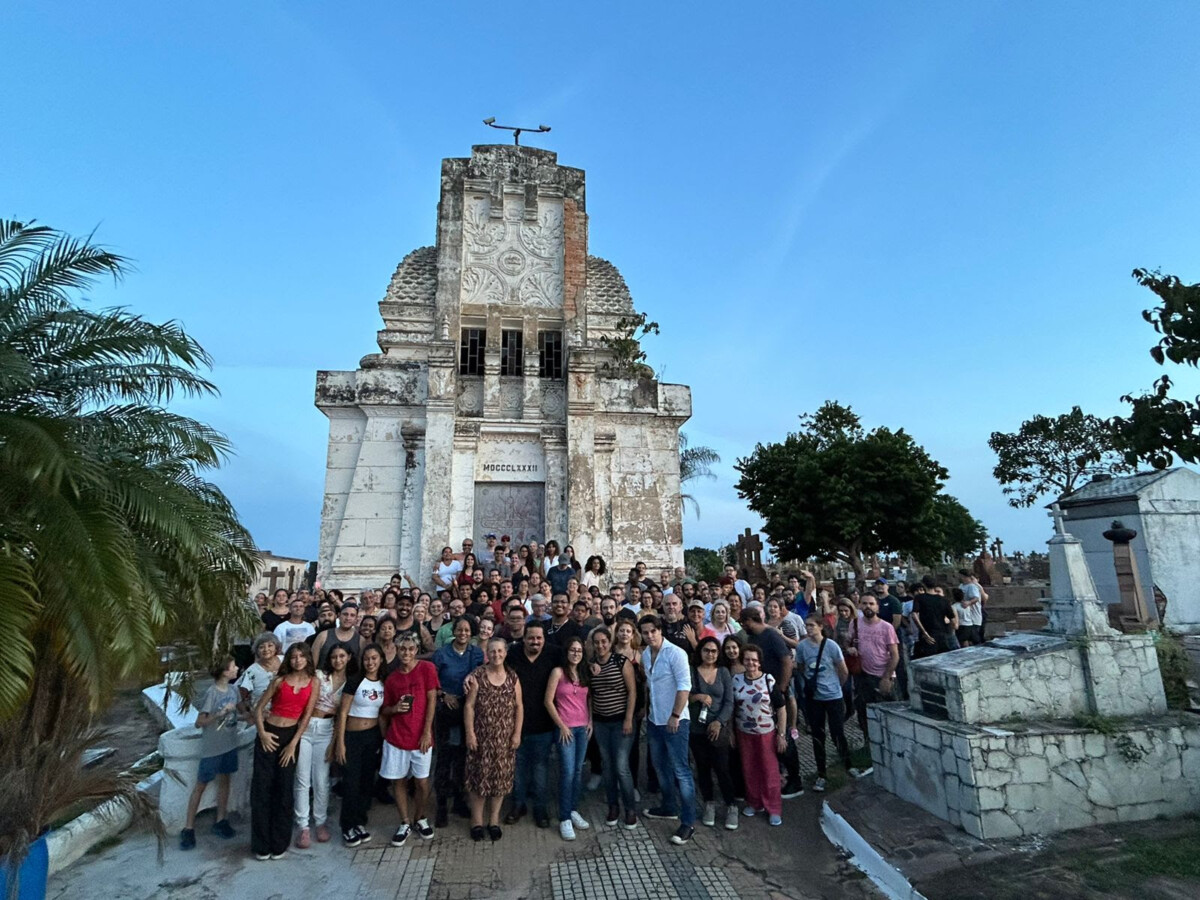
1142,858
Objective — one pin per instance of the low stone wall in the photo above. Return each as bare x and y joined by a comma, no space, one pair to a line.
1037,777
180,750
1042,676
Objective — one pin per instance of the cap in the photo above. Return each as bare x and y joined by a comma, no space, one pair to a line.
504,538
881,581
699,603
490,534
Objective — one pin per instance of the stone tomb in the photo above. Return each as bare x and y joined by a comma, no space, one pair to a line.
1037,733
494,403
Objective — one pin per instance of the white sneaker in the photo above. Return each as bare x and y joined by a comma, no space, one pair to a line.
749,812
566,830
579,821
819,785
710,814
731,818
861,773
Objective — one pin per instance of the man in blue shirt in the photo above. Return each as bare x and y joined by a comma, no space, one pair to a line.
454,662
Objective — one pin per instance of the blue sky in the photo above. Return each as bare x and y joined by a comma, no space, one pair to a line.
928,212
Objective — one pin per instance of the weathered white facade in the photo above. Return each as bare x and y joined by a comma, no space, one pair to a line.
1164,509
493,405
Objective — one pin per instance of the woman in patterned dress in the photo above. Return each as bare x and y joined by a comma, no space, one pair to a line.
492,722
760,714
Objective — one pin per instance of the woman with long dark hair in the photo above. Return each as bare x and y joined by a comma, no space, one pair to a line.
316,748
281,717
711,737
357,743
569,708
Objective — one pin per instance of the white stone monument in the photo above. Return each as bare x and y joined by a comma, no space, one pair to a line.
494,404
1036,733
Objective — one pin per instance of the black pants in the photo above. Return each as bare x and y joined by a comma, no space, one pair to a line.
271,794
358,775
791,757
866,691
818,712
450,758
710,761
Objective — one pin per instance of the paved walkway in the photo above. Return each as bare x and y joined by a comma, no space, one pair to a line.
792,861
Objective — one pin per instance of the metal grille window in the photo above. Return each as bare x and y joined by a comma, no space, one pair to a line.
512,353
550,354
470,351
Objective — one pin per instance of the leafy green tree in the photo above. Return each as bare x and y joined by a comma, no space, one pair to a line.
628,359
1160,427
958,533
111,538
836,492
703,563
694,462
1053,455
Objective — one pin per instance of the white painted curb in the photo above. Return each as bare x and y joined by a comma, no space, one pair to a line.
67,844
890,880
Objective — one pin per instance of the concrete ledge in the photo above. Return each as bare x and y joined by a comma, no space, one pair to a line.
890,880
67,844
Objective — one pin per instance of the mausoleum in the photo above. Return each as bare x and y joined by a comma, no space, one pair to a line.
494,403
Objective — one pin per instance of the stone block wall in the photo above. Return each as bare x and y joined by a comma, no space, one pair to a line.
1037,777
1042,676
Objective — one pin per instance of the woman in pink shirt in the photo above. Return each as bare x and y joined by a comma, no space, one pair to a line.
567,703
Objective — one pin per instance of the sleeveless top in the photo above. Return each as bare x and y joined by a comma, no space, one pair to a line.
608,690
330,699
571,701
289,702
351,644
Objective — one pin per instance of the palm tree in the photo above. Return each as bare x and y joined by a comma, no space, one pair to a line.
111,539
694,462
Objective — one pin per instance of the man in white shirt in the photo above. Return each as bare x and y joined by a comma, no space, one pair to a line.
669,681
294,630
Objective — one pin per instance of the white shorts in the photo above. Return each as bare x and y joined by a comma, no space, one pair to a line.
399,763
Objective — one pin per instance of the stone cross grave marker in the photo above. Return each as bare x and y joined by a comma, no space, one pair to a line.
276,575
749,555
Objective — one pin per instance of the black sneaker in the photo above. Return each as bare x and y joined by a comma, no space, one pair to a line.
424,829
659,812
223,829
683,834
542,820
401,835
187,839
350,837
793,787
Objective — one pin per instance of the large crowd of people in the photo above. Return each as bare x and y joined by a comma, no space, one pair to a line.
681,699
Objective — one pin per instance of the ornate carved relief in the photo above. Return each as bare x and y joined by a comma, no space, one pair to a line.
554,400
511,260
470,397
512,397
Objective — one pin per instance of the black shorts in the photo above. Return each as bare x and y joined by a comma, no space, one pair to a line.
971,633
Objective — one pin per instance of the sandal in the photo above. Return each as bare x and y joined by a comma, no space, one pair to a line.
477,832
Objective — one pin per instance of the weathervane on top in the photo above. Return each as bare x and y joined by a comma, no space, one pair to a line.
490,121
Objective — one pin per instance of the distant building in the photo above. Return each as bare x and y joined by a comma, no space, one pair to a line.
274,572
493,404
1163,507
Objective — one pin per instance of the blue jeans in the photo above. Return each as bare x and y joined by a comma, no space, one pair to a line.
670,754
570,771
532,758
614,757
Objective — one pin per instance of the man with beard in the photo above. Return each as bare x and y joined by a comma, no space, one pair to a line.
879,654
608,611
405,623
561,627
326,618
674,625
344,635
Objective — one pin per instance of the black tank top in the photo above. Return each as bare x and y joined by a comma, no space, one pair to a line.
351,645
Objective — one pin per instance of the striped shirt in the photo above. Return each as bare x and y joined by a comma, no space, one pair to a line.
609,695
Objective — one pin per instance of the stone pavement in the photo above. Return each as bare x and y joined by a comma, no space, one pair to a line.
792,861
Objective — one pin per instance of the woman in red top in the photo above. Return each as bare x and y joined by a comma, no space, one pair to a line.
281,716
